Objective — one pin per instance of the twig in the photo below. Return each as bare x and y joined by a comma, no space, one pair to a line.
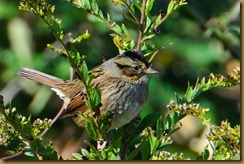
68,55
60,111
141,25
12,156
159,23
53,121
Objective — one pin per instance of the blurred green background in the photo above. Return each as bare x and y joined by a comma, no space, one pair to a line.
200,38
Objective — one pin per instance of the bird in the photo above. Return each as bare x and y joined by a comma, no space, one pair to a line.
122,81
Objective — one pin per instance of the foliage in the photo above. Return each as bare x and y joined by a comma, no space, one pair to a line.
224,140
146,140
16,127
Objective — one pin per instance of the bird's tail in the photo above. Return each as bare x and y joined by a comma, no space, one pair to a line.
40,77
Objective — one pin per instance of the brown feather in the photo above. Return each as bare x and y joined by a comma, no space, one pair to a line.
40,77
76,104
122,81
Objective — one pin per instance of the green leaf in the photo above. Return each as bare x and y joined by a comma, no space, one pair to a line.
168,122
153,143
124,29
77,156
92,129
84,69
114,149
137,3
100,13
108,17
88,82
206,154
171,7
147,121
76,3
96,97
159,127
149,6
30,154
175,118
132,19
26,125
135,140
146,150
51,47
104,123
132,44
95,7
136,151
86,4
85,153
94,153
189,93
175,129
148,37
158,19
163,145
48,152
117,143
148,24
153,54
117,29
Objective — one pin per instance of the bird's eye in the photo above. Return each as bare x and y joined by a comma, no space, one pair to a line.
135,68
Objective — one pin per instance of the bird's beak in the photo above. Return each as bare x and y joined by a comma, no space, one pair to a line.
151,71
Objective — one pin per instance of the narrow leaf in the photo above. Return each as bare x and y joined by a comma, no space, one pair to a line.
146,151
163,145
171,7
87,4
92,130
147,121
159,127
149,6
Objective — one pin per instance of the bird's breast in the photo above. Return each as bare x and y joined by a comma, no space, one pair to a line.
124,100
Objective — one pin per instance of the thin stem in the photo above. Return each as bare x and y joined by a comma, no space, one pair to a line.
160,22
68,54
60,111
131,12
53,121
141,25
12,156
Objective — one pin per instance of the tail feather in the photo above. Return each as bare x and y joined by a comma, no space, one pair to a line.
40,77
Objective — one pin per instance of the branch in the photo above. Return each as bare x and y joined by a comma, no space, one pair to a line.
60,111
12,156
141,25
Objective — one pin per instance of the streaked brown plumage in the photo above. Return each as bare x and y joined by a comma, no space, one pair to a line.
122,80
